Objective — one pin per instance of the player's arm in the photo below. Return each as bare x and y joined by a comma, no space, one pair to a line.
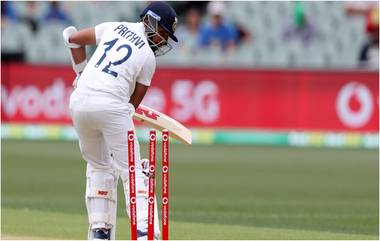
82,38
138,94
76,41
143,81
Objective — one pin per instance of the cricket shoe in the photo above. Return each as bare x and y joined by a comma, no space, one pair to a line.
101,234
142,235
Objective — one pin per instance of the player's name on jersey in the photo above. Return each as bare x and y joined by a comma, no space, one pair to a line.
129,35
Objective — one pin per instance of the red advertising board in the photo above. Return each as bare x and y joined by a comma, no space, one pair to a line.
216,98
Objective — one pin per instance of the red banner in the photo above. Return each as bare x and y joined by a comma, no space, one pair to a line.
222,98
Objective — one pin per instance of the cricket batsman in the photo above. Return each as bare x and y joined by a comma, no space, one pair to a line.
108,89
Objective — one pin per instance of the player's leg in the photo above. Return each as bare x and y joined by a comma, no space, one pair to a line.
101,202
101,186
117,141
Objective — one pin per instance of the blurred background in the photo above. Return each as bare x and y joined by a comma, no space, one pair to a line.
264,66
244,34
282,99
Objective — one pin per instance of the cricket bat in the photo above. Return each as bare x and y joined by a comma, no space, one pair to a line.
152,118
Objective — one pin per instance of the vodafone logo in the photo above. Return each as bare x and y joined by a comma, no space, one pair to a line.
165,200
131,136
151,200
165,169
31,101
354,105
132,200
132,168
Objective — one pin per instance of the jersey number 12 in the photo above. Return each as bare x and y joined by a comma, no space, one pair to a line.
110,45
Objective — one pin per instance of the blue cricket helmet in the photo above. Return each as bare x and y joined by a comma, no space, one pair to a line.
167,17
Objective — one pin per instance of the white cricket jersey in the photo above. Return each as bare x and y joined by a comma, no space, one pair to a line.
122,58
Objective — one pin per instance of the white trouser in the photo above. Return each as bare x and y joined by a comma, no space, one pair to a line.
102,134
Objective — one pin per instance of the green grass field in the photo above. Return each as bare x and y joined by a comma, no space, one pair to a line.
217,192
